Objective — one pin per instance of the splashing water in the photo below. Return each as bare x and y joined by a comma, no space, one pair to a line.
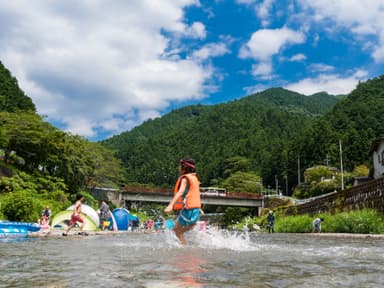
212,258
213,238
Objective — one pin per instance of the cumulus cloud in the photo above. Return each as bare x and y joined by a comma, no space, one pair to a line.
362,18
332,83
263,11
266,43
92,66
211,50
196,30
262,70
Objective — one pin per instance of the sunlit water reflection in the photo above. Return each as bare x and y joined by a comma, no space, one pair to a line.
213,259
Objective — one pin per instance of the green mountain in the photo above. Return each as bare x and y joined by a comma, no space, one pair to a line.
12,98
356,121
249,134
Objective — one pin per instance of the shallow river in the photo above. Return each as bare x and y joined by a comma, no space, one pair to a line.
211,259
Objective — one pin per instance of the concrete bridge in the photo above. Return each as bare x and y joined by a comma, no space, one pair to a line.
127,195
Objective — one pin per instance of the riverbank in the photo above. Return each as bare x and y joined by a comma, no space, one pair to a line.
347,235
55,233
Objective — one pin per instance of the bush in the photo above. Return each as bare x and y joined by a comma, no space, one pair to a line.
22,206
23,196
294,224
364,221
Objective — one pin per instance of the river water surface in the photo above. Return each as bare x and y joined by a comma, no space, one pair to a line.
212,259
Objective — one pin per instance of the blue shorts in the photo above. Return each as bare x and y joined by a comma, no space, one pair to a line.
189,217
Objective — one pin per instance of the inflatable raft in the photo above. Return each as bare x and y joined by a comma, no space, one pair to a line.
10,229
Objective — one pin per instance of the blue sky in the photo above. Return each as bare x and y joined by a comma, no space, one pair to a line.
98,68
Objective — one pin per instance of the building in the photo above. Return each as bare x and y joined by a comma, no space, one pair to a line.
377,151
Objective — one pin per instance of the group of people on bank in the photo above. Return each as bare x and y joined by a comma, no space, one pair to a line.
186,203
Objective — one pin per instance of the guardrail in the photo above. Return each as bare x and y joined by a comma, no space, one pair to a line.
366,195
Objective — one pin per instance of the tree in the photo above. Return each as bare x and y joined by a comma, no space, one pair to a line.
12,98
243,182
24,133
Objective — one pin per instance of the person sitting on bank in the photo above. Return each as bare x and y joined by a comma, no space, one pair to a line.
317,225
45,216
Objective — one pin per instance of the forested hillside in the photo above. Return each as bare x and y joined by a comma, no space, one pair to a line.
253,134
12,98
41,165
356,120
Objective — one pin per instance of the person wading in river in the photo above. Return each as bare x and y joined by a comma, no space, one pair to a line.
186,200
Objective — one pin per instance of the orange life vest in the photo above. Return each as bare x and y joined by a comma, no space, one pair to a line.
191,195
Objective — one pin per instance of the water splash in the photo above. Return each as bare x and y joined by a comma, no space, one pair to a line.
214,238
171,239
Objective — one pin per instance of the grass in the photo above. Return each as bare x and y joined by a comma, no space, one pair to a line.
366,221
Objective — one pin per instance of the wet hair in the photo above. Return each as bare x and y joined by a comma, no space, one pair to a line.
79,196
188,165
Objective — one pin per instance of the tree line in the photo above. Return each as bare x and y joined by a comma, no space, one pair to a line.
42,165
248,144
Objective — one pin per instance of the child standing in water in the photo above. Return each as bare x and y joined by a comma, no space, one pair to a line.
186,199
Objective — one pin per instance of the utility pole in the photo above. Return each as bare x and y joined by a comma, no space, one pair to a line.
298,170
277,185
327,160
341,166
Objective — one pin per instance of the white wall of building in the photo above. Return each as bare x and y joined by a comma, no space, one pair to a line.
378,161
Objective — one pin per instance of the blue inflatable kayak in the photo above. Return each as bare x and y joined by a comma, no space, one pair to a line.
17,229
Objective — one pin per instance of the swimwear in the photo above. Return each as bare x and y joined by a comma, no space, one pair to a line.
76,218
189,217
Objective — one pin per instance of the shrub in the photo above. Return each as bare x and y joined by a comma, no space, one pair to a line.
294,224
22,205
366,221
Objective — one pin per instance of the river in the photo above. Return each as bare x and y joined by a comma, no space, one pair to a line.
215,258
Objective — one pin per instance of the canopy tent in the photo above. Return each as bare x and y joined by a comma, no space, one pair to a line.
123,218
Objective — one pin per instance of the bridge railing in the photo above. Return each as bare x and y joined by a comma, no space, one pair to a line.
164,191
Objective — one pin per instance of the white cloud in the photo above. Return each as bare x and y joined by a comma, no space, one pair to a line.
266,43
256,88
262,70
297,58
196,30
211,50
245,1
332,83
320,67
263,11
363,18
91,65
